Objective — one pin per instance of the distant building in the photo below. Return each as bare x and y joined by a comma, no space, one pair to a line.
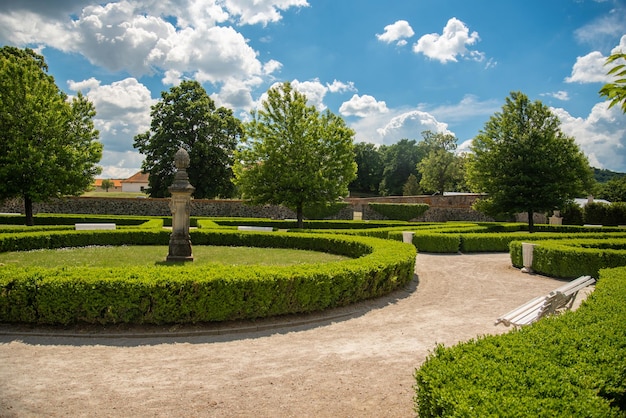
136,183
117,185
583,202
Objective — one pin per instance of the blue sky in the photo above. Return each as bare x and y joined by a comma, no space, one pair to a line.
390,69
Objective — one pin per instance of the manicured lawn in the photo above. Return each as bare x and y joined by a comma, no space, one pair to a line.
110,256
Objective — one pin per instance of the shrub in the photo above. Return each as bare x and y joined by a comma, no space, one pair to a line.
185,293
569,365
322,211
400,211
574,257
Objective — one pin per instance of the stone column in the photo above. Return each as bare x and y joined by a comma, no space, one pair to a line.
180,205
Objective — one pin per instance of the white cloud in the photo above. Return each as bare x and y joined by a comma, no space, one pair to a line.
362,106
120,164
560,95
469,107
410,125
340,86
603,30
591,69
601,135
451,43
122,110
253,12
396,32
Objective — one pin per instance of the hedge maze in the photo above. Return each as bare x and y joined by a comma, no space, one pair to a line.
573,364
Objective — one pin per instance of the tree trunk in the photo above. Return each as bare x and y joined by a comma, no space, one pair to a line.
28,211
531,221
300,216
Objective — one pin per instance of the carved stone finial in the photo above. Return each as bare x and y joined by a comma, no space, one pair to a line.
181,159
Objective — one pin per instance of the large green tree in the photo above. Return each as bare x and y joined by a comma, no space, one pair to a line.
441,168
187,117
399,162
369,161
294,156
524,162
48,145
616,91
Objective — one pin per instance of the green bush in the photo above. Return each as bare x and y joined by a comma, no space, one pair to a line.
322,211
569,365
574,257
400,211
64,219
184,293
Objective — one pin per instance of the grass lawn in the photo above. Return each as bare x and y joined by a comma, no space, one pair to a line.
113,256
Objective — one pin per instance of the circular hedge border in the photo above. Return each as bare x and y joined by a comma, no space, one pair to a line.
189,294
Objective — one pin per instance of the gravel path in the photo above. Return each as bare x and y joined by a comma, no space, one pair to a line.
356,361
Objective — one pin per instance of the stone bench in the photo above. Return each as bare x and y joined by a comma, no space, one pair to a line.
535,309
255,228
87,227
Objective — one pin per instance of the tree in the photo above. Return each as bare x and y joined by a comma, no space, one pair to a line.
187,117
294,156
440,168
524,162
616,91
399,162
369,169
613,190
107,184
49,147
411,187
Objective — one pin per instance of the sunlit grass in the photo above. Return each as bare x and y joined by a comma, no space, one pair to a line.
113,256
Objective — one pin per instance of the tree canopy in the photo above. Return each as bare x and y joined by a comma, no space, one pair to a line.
616,91
441,168
187,117
399,162
292,155
48,145
369,174
524,162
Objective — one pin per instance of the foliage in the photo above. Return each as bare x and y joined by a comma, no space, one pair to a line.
613,190
399,162
572,213
107,184
187,117
323,210
602,175
48,145
180,294
400,211
293,155
411,187
369,173
441,168
524,162
616,91
576,256
567,365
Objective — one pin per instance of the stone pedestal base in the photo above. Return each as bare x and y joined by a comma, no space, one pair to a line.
180,250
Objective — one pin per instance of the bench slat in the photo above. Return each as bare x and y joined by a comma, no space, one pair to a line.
541,306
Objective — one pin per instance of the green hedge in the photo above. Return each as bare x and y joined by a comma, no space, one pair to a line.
571,365
574,257
400,211
185,293
65,219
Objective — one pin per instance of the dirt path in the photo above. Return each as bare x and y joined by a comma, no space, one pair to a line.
353,362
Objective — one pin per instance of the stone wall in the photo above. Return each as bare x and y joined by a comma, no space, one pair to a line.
442,208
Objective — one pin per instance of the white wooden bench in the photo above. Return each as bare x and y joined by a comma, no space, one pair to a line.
561,298
86,226
255,228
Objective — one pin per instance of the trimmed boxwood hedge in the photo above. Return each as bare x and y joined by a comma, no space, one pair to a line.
189,294
400,211
574,257
570,365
